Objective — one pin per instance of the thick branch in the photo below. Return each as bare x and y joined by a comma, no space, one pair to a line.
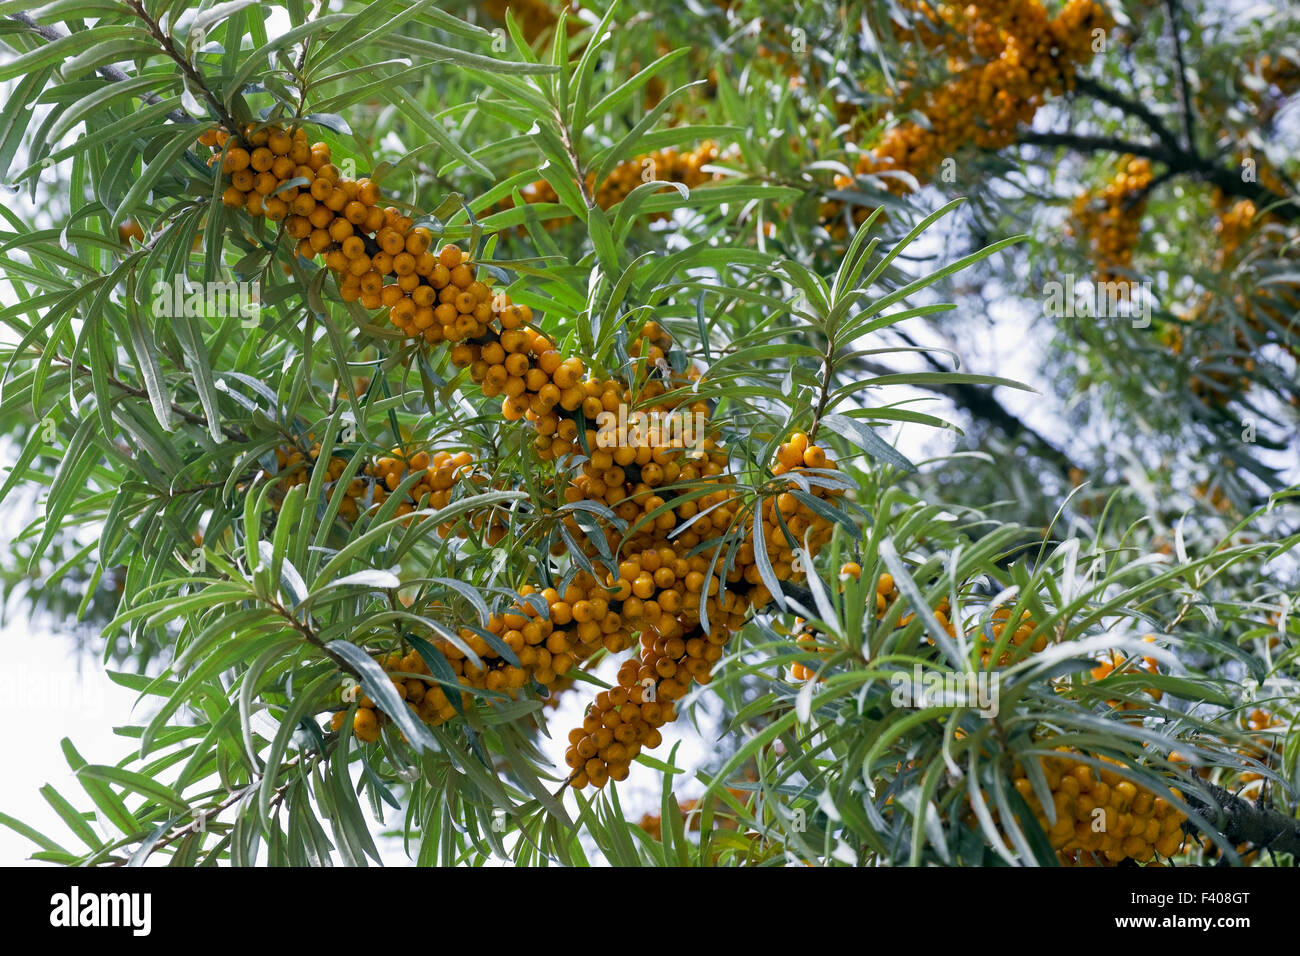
1130,106
1084,143
1178,162
1241,821
110,73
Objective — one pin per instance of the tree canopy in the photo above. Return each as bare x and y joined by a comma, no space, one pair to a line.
870,425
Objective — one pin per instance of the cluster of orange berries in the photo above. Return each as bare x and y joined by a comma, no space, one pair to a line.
806,638
987,642
626,718
1101,818
1267,746
413,682
1004,60
1116,662
519,647
261,163
545,648
526,645
1110,220
663,591
1020,634
654,587
1232,224
377,254
380,478
668,165
535,381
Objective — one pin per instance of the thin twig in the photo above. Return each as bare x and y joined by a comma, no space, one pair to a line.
579,175
828,376
202,816
234,434
169,47
1184,92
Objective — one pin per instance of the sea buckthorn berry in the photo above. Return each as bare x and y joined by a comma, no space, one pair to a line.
449,256
418,241
236,159
814,457
365,725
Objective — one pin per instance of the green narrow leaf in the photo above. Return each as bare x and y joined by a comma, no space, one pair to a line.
380,688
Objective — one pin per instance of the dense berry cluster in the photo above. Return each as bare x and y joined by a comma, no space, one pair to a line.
1100,817
380,478
534,380
1020,634
667,595
1003,59
1232,224
1109,220
377,254
413,682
